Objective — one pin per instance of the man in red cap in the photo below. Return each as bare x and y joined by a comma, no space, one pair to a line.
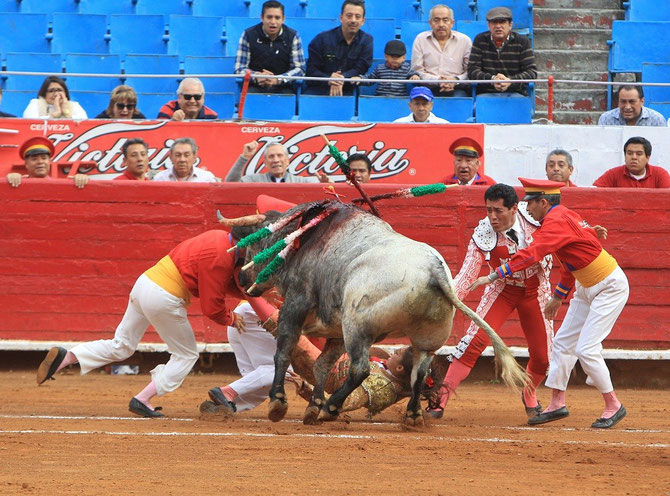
601,292
466,152
36,152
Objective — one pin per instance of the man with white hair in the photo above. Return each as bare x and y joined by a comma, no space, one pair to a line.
190,103
276,163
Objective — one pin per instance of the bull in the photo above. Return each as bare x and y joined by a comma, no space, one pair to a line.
355,281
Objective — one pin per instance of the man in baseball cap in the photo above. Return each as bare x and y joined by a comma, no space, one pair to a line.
466,152
421,105
36,153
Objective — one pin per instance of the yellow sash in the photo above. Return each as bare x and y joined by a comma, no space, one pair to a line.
603,265
167,276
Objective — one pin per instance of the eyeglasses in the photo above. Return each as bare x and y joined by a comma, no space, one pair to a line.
129,106
55,90
197,98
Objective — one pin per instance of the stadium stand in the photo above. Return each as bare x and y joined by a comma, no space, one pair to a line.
10,5
408,32
15,101
209,42
222,103
656,73
47,7
152,64
382,30
646,10
107,6
663,108
454,109
399,10
93,102
13,29
325,108
503,109
381,108
137,34
463,9
150,103
92,64
79,33
165,8
213,65
471,28
221,8
258,106
31,62
323,8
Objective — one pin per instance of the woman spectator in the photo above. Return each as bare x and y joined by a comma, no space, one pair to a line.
53,102
122,105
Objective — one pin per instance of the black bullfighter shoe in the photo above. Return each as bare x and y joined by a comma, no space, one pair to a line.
543,418
50,364
218,397
139,408
606,423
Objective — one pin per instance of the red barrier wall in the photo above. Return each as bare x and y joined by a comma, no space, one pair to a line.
69,257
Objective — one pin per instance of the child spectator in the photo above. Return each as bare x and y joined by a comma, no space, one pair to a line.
395,67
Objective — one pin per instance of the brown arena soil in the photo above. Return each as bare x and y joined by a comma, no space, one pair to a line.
481,446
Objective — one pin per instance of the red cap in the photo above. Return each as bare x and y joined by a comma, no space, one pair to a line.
265,203
467,147
539,187
36,146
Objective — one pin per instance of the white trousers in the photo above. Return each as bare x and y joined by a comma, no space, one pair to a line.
254,352
149,304
589,320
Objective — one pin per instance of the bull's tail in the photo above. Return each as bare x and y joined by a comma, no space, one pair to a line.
512,373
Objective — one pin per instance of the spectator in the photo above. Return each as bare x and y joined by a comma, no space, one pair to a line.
274,49
183,155
394,67
36,152
4,114
558,166
190,103
53,102
637,172
501,55
360,165
276,162
631,111
341,52
135,159
122,105
442,53
466,152
421,105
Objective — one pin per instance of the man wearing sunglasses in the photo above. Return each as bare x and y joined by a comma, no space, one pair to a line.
190,103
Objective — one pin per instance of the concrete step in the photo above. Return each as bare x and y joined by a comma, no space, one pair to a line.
575,18
561,61
574,76
577,38
570,117
573,99
577,4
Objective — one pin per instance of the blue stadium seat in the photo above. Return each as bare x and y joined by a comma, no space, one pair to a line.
13,29
409,31
235,26
323,8
15,102
137,34
93,102
309,28
49,7
150,103
213,65
662,107
646,10
522,12
326,108
152,64
259,106
93,64
381,108
222,103
31,62
503,109
382,30
292,8
656,73
208,42
454,109
397,9
107,6
471,28
464,10
165,8
79,33
10,6
220,8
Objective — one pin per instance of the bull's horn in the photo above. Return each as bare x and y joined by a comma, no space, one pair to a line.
247,266
246,220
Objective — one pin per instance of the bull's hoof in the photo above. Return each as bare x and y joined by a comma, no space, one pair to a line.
276,410
326,416
311,416
414,419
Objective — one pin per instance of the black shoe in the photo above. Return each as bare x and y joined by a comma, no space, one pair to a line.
606,423
543,418
50,364
218,397
139,408
531,411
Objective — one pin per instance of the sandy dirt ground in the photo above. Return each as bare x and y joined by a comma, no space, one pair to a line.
76,436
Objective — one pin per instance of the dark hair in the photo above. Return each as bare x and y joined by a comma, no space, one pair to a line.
502,192
131,142
640,91
553,200
355,3
362,157
122,92
639,140
272,4
53,79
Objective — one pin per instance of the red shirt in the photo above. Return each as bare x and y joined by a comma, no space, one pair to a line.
564,233
207,270
619,177
480,180
126,176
